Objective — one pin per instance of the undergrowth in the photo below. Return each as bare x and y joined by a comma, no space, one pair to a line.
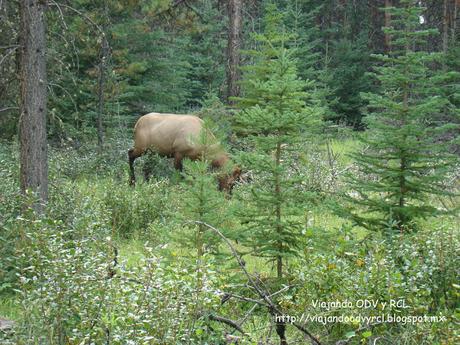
106,262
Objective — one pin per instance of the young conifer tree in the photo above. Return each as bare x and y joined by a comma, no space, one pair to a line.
274,117
201,201
405,161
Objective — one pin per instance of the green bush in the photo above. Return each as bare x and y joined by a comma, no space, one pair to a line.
10,208
74,291
421,269
133,210
87,161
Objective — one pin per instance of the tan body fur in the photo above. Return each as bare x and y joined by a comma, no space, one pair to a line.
177,136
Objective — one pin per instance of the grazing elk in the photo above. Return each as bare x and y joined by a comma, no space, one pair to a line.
178,136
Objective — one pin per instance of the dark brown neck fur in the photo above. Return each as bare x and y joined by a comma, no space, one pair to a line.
220,161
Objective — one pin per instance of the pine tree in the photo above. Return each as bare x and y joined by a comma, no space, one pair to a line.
33,101
300,19
405,160
202,202
206,51
273,116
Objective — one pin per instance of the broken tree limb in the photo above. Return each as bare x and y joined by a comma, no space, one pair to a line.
272,308
228,322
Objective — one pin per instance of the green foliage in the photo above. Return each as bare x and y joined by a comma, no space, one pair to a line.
350,61
11,202
300,18
160,58
69,287
9,84
107,263
419,269
133,212
152,76
202,202
332,41
65,267
274,116
216,112
405,162
206,53
72,289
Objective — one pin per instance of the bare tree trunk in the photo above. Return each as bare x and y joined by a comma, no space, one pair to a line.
387,24
279,229
233,48
101,84
445,27
32,121
454,21
377,37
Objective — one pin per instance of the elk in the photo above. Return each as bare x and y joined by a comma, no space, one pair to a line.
178,136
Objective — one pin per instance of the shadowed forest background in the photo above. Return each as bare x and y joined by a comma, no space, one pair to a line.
342,115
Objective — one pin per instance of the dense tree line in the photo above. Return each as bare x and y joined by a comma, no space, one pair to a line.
110,61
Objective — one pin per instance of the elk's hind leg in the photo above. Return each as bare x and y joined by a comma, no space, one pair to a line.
132,155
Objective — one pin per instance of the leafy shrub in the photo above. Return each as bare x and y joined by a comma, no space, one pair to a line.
422,270
133,210
86,161
10,207
73,292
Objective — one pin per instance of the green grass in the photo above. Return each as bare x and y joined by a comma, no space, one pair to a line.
343,148
131,251
9,307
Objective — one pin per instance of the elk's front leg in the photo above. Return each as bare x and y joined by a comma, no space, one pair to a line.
178,161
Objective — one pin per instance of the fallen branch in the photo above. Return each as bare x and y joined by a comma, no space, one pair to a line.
228,322
272,308
246,299
9,108
245,318
10,47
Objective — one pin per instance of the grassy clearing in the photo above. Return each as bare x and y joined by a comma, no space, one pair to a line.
9,307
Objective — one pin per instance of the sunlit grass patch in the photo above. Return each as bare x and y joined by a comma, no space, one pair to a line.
343,148
9,307
131,251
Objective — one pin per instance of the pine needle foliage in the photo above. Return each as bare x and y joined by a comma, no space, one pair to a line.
274,117
202,202
405,161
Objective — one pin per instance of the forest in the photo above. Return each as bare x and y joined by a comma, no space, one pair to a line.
219,172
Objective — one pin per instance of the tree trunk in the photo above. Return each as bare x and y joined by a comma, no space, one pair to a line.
387,24
101,83
445,27
32,121
454,22
233,48
279,229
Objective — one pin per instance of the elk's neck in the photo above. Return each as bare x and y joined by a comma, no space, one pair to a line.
220,160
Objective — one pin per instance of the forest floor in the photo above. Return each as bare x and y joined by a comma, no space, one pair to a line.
149,215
